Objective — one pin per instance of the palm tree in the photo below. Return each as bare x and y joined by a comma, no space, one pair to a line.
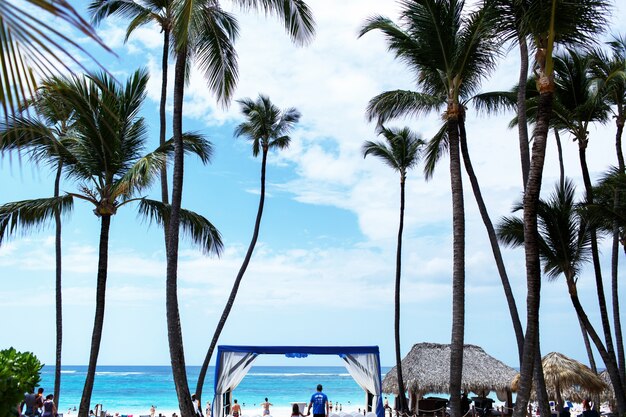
610,71
565,22
31,47
450,52
142,13
204,33
402,150
56,116
565,245
102,152
267,127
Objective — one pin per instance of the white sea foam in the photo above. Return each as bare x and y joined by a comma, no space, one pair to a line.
104,373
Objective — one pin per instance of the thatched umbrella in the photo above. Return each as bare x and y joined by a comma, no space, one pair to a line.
567,376
426,368
608,395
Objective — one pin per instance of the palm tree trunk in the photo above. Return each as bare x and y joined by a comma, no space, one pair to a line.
174,331
522,124
402,404
458,265
163,125
540,384
531,247
609,361
619,122
58,293
162,121
493,240
592,361
235,288
559,149
606,326
96,337
617,322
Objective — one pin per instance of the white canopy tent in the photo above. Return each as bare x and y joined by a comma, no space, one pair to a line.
234,362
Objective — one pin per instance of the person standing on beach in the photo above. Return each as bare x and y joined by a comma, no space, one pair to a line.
49,409
236,409
319,402
39,402
266,407
29,402
152,410
196,405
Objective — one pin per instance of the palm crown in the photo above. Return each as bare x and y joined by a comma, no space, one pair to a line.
401,149
266,126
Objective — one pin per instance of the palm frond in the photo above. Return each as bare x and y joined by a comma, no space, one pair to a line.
436,148
510,231
214,48
31,214
294,14
194,143
402,103
495,102
201,232
31,48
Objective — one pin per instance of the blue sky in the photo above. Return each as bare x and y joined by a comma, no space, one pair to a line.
323,269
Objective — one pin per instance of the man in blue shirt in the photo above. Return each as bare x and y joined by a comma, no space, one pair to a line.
319,402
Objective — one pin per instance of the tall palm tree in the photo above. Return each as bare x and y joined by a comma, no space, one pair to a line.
610,71
32,47
102,152
450,52
204,33
143,12
402,150
56,116
546,22
267,127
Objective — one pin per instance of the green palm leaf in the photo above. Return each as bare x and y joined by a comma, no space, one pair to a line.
30,48
31,214
201,232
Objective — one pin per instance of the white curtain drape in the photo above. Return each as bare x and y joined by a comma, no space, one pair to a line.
233,367
365,370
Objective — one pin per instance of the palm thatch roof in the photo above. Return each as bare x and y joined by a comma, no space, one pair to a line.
568,377
608,395
426,368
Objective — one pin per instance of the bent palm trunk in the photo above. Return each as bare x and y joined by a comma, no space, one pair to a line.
531,248
174,331
402,399
235,289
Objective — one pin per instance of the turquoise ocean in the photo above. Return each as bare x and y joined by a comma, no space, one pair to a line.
133,389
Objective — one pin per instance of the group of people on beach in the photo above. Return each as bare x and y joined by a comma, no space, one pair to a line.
319,403
35,405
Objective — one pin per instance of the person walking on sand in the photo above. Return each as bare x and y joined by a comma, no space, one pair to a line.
236,409
319,402
266,407
152,411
